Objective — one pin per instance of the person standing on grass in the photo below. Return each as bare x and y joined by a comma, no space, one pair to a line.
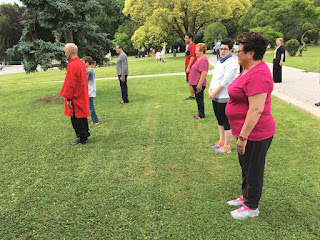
251,121
92,88
123,72
224,73
279,57
197,77
75,92
191,58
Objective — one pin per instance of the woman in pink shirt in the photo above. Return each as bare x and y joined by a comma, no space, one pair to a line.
197,77
251,122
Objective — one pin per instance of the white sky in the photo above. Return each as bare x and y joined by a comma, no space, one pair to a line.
10,1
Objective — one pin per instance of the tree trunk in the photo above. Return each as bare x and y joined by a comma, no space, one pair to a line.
316,38
303,48
68,37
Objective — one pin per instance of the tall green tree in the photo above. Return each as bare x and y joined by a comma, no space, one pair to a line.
51,24
180,16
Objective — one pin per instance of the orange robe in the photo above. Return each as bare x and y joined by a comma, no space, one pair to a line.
75,87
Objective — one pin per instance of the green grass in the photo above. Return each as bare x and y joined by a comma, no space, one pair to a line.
309,61
148,171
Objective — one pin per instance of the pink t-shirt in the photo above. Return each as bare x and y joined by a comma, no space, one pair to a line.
195,72
257,80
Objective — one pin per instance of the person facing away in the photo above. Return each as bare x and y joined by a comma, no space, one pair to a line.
123,72
217,48
191,58
91,87
75,92
223,75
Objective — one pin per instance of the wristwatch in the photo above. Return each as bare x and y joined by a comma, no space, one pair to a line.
242,138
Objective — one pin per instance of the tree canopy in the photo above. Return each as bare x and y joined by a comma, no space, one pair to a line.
160,17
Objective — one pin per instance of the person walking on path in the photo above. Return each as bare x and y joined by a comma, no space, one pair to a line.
123,72
223,75
279,57
191,58
251,121
92,88
197,78
75,92
217,49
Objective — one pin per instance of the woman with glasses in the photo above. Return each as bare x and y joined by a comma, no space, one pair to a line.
223,74
251,122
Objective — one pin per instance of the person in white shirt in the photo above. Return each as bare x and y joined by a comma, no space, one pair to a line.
158,55
223,75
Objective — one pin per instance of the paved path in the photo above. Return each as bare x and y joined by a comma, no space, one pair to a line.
299,88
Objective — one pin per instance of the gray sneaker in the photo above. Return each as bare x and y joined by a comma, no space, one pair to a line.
237,202
244,212
78,142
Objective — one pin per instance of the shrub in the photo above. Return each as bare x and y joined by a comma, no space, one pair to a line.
292,46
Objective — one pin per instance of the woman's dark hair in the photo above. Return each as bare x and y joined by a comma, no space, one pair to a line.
190,35
254,41
228,42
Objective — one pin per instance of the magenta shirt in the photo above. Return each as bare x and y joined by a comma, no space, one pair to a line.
257,80
196,69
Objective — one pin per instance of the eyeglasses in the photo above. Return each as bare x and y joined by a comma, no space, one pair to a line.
224,49
239,51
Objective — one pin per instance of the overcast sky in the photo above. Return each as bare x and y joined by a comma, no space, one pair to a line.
10,1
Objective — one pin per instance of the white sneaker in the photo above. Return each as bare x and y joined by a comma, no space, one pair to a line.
237,202
244,212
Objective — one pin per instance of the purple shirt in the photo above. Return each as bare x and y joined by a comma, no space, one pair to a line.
195,73
257,80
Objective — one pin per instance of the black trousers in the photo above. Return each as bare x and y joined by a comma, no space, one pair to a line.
252,165
277,73
199,99
80,126
124,89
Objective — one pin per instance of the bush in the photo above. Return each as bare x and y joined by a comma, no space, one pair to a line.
292,46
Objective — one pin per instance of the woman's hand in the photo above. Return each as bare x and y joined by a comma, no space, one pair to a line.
199,87
241,146
211,95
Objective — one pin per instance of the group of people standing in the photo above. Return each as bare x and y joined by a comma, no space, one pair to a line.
242,108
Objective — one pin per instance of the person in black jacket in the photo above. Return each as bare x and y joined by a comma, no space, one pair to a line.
279,58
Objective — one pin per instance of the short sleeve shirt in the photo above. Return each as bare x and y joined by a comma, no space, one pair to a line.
257,80
190,52
195,73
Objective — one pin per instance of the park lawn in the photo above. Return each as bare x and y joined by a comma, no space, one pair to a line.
309,61
148,171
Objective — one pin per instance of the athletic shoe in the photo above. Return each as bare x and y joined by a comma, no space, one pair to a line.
223,149
78,142
190,98
196,116
236,202
123,102
93,122
218,144
244,212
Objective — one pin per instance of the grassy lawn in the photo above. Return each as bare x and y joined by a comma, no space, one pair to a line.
148,171
309,61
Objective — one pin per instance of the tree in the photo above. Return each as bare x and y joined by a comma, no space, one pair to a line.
51,23
269,33
214,32
179,16
10,26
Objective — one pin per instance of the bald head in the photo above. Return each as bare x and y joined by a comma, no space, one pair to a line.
71,50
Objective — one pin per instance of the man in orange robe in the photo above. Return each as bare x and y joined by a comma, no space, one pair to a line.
75,92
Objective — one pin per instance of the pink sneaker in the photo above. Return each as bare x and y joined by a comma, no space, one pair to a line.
223,149
218,144
237,202
244,212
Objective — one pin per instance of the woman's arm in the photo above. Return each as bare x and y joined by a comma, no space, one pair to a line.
256,107
202,78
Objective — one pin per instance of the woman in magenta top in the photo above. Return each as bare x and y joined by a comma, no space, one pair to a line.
197,77
251,122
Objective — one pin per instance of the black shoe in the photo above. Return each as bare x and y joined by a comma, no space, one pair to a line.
317,104
123,102
78,142
190,98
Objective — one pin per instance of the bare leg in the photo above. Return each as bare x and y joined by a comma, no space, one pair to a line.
221,132
191,91
228,136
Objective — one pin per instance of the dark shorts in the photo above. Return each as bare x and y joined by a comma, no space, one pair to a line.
219,111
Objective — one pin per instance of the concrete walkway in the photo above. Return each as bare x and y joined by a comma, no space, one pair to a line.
299,88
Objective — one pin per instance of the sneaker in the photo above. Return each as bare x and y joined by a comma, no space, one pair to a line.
218,144
78,142
196,116
190,98
223,149
236,202
244,212
123,102
93,122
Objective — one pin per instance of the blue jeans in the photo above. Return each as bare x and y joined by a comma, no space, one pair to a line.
93,114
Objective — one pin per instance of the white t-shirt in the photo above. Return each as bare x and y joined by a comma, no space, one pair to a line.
158,55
